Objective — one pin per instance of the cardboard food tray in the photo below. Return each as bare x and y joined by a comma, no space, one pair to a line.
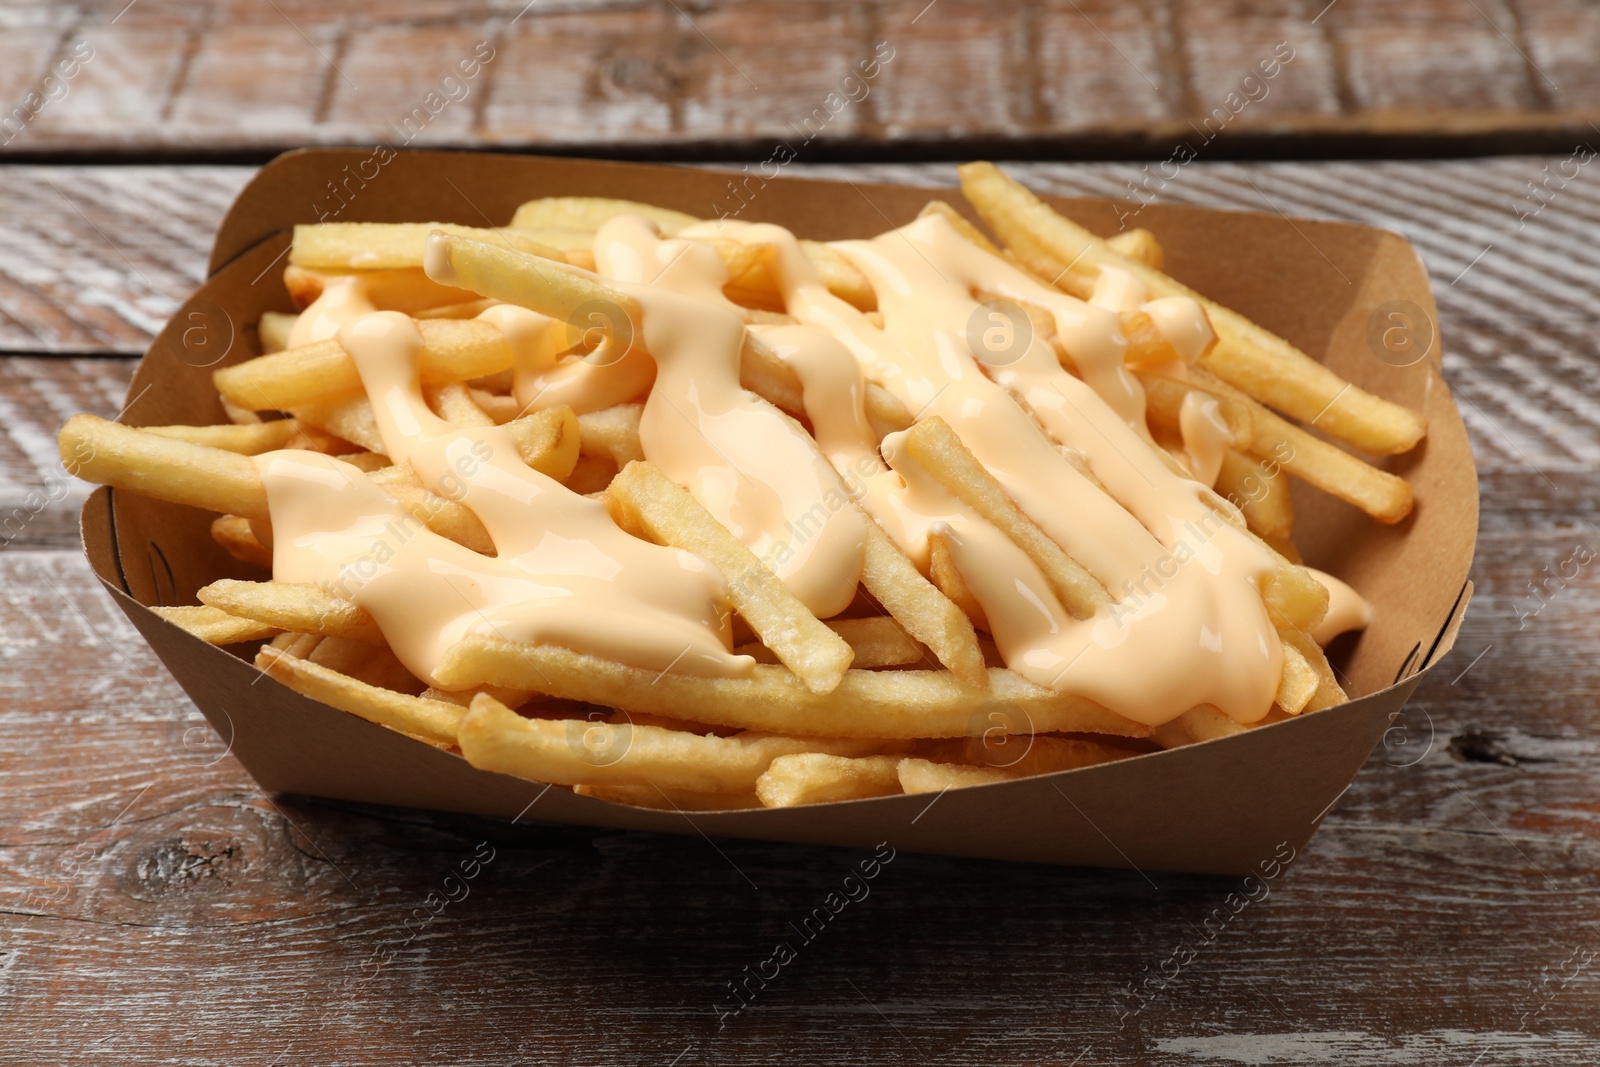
1222,806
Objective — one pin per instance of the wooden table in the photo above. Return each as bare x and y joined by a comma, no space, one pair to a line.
721,79
157,907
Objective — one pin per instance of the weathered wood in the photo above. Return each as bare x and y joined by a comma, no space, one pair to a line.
39,501
640,75
155,907
95,259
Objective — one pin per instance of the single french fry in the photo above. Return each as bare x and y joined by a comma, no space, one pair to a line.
765,374
1046,755
742,259
815,653
841,276
1294,599
885,412
1299,682
1384,496
297,645
947,578
234,534
567,239
961,224
511,698
1260,363
1260,492
408,290
453,402
178,472
443,516
820,778
249,439
365,661
552,288
1139,245
1329,692
573,751
453,350
347,417
273,330
652,796
500,407
932,444
876,704
588,213
762,372
432,720
293,606
877,641
467,309
371,246
1164,397
612,432
1147,345
918,605
215,626
548,441
1200,723
925,776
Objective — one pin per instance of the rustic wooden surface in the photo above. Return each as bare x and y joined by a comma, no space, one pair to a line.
156,907
645,76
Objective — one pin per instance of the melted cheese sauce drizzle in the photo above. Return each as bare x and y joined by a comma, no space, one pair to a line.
752,466
1347,609
563,572
1206,436
1187,625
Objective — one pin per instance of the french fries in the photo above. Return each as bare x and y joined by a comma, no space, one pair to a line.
431,720
818,656
215,626
575,752
881,704
902,692
177,471
372,246
935,446
1251,358
456,350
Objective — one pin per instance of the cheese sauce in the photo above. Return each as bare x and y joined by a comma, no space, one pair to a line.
1186,624
563,572
1347,609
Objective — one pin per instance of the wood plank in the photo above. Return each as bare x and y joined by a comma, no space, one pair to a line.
636,76
96,259
39,501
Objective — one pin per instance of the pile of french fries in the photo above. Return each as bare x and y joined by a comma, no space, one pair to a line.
902,693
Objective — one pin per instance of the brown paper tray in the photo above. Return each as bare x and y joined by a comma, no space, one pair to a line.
1222,806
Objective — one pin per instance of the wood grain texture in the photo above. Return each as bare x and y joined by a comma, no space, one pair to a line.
640,76
156,908
94,260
